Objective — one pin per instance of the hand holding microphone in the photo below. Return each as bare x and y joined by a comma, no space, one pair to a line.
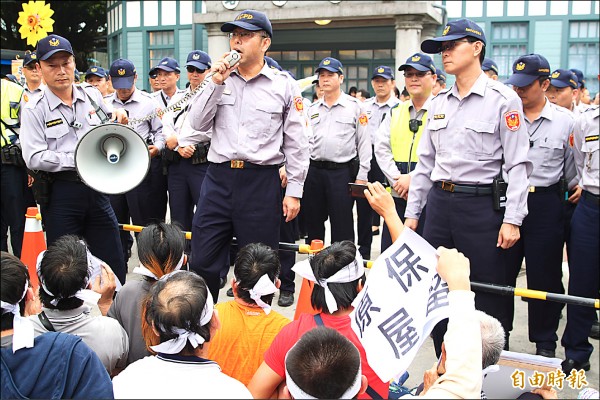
222,68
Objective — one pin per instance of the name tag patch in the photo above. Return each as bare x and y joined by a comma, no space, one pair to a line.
439,116
54,122
593,138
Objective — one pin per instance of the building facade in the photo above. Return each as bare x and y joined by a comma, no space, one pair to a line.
361,34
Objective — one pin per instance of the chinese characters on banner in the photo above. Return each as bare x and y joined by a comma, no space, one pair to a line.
403,299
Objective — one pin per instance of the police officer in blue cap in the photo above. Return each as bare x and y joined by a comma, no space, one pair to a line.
490,68
440,83
167,73
53,123
475,131
147,202
257,122
340,153
581,84
98,77
542,231
186,152
33,78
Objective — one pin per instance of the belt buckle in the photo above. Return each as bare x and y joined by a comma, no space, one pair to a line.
531,189
237,164
448,186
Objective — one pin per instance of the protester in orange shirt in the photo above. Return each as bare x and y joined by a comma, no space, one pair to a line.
248,325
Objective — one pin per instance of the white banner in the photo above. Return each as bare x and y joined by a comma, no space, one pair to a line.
402,301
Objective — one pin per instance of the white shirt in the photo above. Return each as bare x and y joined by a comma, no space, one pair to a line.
179,377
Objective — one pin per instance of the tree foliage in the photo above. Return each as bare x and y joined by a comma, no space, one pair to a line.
83,23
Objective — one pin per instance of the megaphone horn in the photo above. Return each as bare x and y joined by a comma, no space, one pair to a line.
112,158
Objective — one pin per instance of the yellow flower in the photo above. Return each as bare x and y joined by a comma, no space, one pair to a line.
35,21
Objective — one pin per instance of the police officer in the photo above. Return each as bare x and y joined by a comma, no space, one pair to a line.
98,78
33,77
440,83
542,231
14,175
583,260
147,202
186,149
53,123
167,74
474,131
340,152
383,83
581,85
490,68
154,83
400,132
257,121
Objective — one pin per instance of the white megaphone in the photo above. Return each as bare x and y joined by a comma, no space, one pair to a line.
112,158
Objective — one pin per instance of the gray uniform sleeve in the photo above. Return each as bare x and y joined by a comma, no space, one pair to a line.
204,107
383,150
363,145
515,145
578,156
156,130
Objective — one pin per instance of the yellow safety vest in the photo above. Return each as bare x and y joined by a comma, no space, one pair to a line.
404,143
10,100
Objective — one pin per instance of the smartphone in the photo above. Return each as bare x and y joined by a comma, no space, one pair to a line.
357,190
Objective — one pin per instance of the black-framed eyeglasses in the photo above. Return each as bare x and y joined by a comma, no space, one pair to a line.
419,74
191,69
447,46
414,124
244,35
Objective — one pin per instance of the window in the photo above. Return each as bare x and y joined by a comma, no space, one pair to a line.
584,50
133,14
509,41
161,44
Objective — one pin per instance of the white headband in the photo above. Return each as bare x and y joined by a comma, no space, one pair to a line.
22,327
142,270
175,345
263,287
349,273
298,393
83,294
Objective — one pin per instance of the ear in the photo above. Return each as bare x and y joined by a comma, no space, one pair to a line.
234,286
266,43
341,78
364,383
155,331
545,85
29,295
478,48
359,286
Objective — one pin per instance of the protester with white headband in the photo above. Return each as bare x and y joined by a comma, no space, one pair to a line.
325,353
249,324
160,251
338,274
65,272
53,365
178,324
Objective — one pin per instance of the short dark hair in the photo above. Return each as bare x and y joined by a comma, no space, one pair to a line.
353,89
397,91
405,92
365,93
323,363
160,247
175,302
326,263
472,39
64,271
252,262
13,278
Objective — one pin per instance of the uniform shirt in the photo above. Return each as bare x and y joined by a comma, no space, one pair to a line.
339,133
47,138
30,94
177,122
383,144
464,142
585,150
549,144
260,121
376,112
163,99
139,105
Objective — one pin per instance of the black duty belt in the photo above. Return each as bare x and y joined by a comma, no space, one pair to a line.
241,164
69,176
591,197
329,164
470,189
544,189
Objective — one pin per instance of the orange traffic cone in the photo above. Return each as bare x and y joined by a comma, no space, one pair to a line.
303,305
34,243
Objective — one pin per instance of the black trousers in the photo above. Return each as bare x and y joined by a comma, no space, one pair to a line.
13,206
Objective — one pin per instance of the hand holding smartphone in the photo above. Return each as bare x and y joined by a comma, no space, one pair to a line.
357,190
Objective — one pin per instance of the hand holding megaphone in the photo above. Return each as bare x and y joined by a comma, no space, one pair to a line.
222,68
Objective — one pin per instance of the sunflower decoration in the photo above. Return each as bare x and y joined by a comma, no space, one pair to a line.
35,21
